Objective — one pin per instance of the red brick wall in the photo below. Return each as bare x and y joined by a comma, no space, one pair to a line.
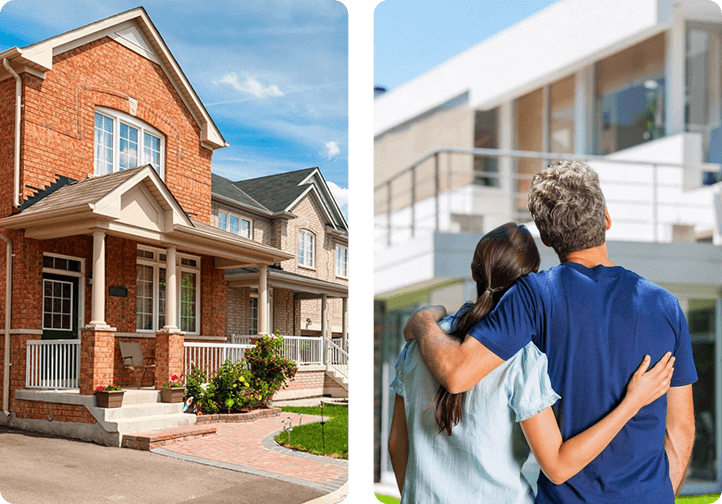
59,120
7,138
306,380
213,299
59,412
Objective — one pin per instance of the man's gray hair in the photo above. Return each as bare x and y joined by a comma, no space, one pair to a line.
567,205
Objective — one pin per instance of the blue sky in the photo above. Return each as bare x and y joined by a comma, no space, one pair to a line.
272,73
413,36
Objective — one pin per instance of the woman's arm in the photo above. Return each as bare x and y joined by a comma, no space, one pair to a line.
399,442
560,460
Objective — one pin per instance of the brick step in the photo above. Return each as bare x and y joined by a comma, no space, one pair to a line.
150,440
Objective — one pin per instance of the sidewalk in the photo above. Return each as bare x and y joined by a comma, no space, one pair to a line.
250,448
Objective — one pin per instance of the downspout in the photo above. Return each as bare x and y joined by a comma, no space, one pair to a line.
9,245
18,111
8,305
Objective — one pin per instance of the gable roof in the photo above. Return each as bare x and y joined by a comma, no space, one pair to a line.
281,192
226,189
134,30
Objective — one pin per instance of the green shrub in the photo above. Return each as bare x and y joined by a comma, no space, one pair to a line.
233,392
271,371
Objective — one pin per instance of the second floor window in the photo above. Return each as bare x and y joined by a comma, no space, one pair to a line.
341,261
235,224
123,142
306,247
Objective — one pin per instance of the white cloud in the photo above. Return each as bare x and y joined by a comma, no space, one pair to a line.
332,149
340,194
251,86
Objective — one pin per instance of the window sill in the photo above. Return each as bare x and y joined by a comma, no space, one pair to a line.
311,268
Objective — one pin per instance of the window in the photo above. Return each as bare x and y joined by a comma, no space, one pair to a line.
151,290
703,107
122,142
561,116
306,246
630,96
235,224
341,261
485,137
254,315
57,305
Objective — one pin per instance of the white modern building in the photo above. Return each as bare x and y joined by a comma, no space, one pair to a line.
635,88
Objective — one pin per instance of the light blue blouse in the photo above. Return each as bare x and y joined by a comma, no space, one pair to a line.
477,462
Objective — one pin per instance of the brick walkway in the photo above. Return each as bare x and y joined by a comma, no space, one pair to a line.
249,447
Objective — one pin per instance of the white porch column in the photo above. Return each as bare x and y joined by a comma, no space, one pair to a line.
584,110
171,291
674,79
507,165
98,292
263,299
344,322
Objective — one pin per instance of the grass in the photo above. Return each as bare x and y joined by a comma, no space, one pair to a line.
308,437
697,499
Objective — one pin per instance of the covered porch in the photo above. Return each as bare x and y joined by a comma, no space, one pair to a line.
109,259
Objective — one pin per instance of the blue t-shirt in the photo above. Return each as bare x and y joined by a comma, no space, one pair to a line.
595,326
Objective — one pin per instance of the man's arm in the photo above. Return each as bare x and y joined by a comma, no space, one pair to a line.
457,366
679,437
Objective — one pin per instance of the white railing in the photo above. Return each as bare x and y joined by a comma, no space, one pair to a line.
52,364
303,349
336,357
240,340
209,357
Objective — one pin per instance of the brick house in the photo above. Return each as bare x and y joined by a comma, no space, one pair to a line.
105,162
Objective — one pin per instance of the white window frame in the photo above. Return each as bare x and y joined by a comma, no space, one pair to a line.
254,295
70,314
240,218
143,129
180,269
306,263
342,267
157,264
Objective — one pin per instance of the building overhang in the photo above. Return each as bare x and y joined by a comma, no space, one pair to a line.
303,287
136,205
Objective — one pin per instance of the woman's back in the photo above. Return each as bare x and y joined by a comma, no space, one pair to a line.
477,462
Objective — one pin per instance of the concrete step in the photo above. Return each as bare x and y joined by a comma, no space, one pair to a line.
340,379
140,396
152,423
141,410
155,439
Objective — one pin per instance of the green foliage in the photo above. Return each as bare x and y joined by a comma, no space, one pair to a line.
242,385
109,388
270,369
308,437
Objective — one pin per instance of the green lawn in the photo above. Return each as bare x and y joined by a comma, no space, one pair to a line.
308,437
698,499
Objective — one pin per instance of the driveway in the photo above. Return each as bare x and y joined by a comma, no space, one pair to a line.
46,470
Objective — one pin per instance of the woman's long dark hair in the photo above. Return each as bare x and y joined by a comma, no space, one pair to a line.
502,256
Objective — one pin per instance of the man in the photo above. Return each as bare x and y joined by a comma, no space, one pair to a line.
595,321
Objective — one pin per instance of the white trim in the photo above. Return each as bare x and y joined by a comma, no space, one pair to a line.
143,128
70,314
305,263
240,217
337,263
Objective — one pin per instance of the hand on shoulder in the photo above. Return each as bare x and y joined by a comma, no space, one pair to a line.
422,318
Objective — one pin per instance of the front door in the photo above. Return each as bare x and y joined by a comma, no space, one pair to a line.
60,307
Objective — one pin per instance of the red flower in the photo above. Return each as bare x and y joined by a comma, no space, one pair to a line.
115,378
174,377
100,387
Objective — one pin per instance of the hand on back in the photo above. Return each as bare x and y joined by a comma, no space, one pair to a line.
648,385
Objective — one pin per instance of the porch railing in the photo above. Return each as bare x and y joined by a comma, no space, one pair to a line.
336,357
52,364
209,357
303,349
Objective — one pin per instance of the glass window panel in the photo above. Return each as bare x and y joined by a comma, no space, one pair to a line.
48,304
630,102
103,144
57,289
66,306
48,261
702,322
48,320
57,322
254,316
128,155
151,150
66,290
561,116
188,301
485,137
65,322
529,133
233,224
245,228
222,220
161,297
61,263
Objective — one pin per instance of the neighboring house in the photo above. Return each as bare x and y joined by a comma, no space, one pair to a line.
635,88
307,294
105,162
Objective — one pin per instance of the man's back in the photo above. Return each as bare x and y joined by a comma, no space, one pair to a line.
596,325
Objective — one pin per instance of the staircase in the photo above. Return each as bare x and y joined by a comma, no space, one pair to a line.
142,411
341,382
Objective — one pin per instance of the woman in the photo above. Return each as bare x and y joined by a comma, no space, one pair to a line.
477,463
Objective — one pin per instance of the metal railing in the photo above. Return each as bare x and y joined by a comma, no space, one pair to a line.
52,364
303,349
423,197
336,357
209,357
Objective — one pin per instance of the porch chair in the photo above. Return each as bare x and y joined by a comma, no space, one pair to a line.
133,359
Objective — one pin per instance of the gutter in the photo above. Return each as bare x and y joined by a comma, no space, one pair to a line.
18,111
8,308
